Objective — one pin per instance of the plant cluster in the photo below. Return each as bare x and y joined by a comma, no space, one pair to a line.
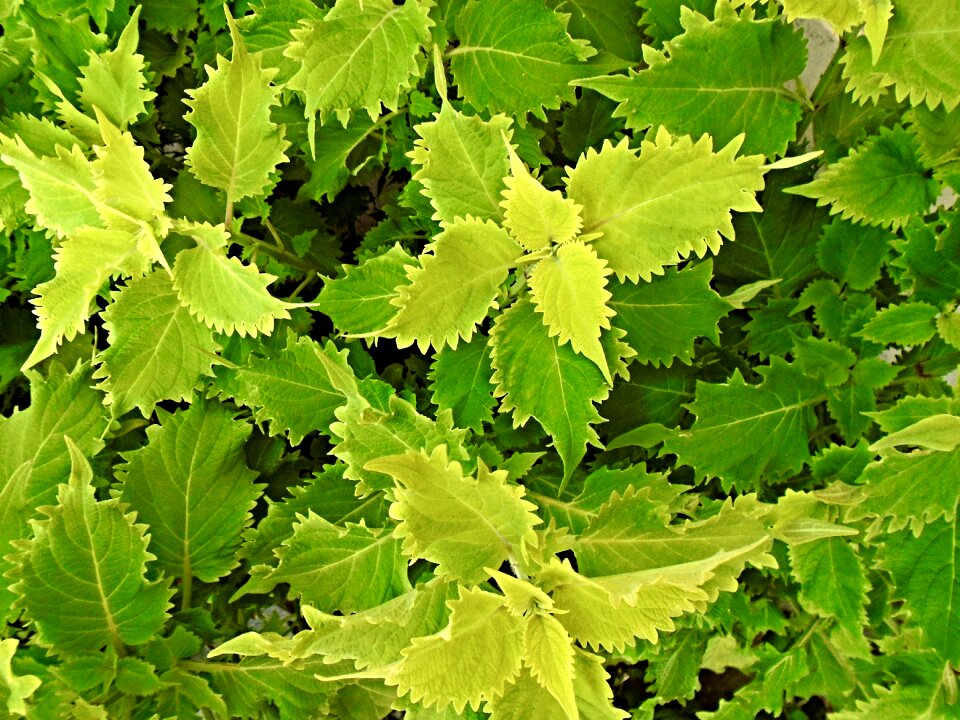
521,359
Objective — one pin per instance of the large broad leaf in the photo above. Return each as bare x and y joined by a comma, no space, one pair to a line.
237,145
463,524
84,262
157,350
105,598
192,485
463,162
925,573
732,70
672,200
336,568
359,56
454,287
221,291
516,57
539,378
35,458
882,182
452,667
664,317
744,432
290,389
113,82
569,289
920,57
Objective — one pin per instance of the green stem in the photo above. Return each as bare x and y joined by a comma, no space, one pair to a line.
273,251
186,587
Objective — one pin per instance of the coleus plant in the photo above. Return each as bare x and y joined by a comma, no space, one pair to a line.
612,380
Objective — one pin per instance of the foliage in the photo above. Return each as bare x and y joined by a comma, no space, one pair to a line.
478,358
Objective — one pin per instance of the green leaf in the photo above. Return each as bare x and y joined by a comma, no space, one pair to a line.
450,668
936,432
289,389
516,57
881,182
461,381
745,432
918,59
549,654
672,200
60,185
925,576
221,291
237,145
17,688
930,258
330,167
84,263
664,317
731,69
463,524
842,16
192,485
463,162
909,323
854,254
824,360
113,82
359,301
609,25
567,384
156,349
105,599
343,569
535,216
938,133
361,54
832,581
568,289
454,287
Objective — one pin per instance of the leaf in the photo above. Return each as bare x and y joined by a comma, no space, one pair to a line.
113,81
918,57
832,581
909,323
18,688
854,254
289,388
936,432
359,301
842,16
549,654
454,287
568,289
463,163
237,145
655,209
535,216
191,484
448,667
881,182
938,133
924,570
516,57
732,70
84,263
930,258
361,54
664,317
105,599
824,360
463,525
60,185
329,167
221,291
609,25
745,432
156,349
567,384
461,382
343,569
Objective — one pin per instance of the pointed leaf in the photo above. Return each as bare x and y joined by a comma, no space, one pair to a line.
463,524
105,598
909,323
461,381
237,145
832,581
454,287
192,485
549,653
655,209
221,291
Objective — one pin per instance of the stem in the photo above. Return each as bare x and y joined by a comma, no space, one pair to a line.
283,256
228,214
